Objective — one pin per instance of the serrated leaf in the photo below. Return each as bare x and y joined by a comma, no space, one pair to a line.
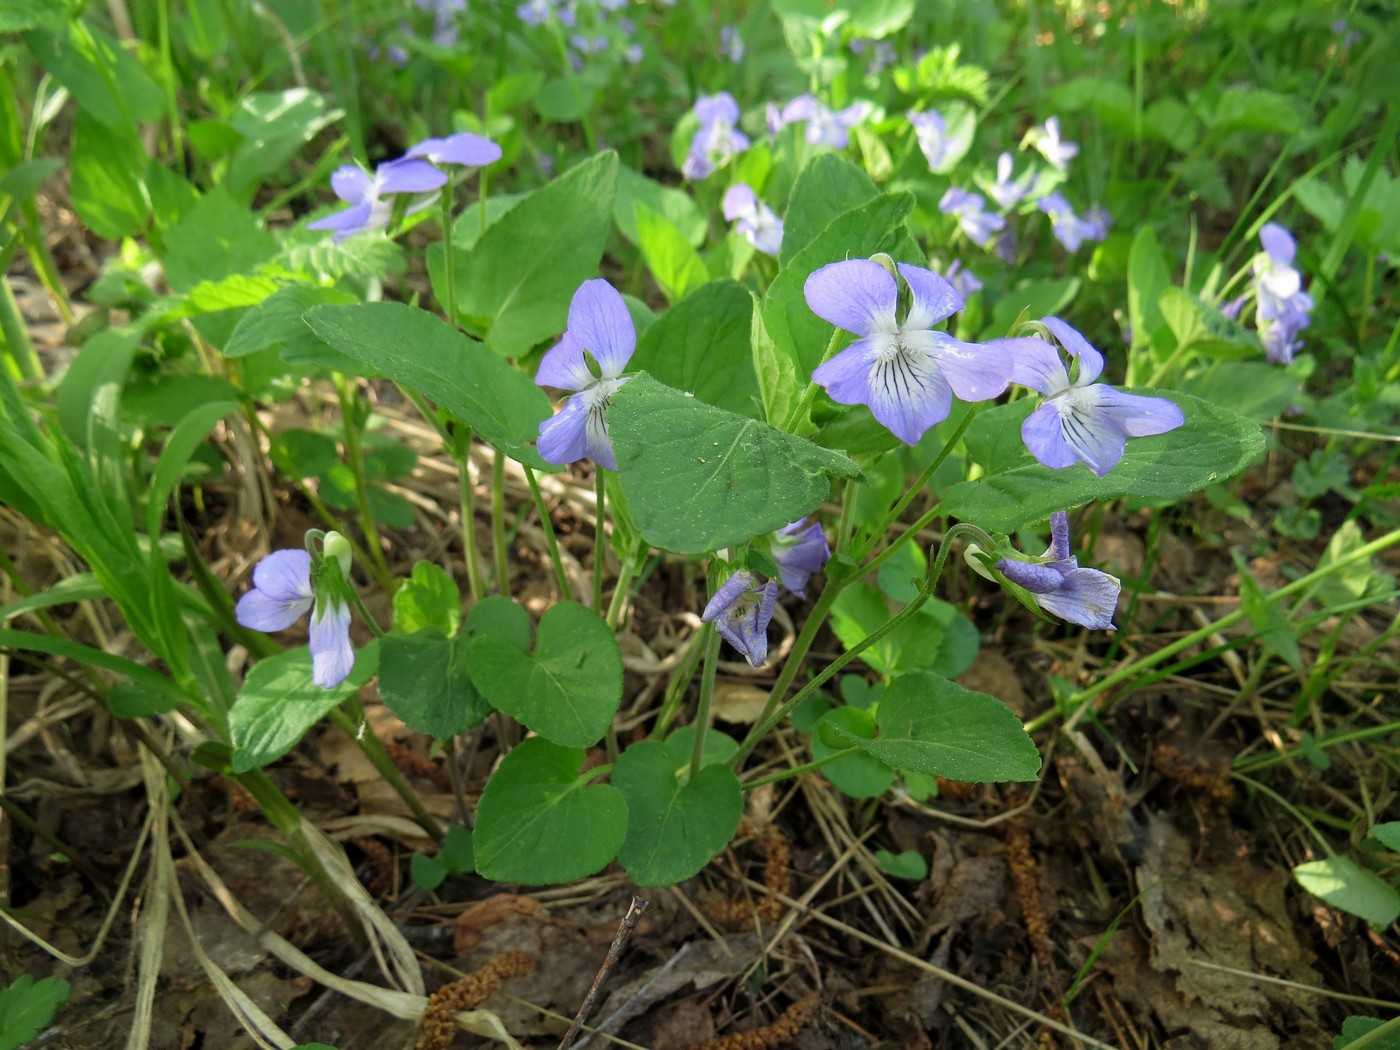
674,824
698,478
1214,444
538,822
27,1006
932,726
414,348
568,689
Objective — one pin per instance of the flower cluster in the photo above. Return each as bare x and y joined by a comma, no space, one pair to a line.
825,126
417,172
596,29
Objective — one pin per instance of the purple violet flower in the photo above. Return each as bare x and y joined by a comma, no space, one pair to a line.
464,148
535,12
365,194
731,44
1069,229
824,126
1283,309
800,550
283,590
963,280
718,139
882,54
1080,420
599,325
1046,139
1058,585
741,610
1008,192
977,223
757,223
931,132
903,370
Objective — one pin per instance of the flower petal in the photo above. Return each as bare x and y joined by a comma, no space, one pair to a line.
739,200
975,371
1036,578
1089,598
1096,436
1059,538
284,575
346,221
803,107
332,657
1090,360
352,184
563,366
475,151
599,322
855,294
258,611
710,108
1279,243
564,435
1139,415
1044,437
933,298
799,552
1035,364
408,175
598,397
846,376
909,394
727,595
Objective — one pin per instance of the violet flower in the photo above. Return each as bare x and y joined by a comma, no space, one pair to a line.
756,222
963,280
463,148
283,590
366,194
600,325
718,139
903,370
1283,309
741,610
799,549
731,44
1058,585
931,133
1008,192
1079,419
969,208
1046,139
825,126
1069,229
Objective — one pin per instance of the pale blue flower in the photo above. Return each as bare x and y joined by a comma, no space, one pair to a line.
1069,229
1058,585
931,133
969,208
903,370
369,209
799,549
282,592
756,222
731,44
1080,420
1283,309
463,148
1046,139
741,610
963,280
718,139
825,126
1009,192
600,326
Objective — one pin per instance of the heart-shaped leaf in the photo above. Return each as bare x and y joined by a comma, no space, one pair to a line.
568,689
674,824
936,727
538,822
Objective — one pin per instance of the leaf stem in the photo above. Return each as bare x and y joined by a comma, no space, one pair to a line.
354,454
498,521
599,540
707,689
354,726
550,540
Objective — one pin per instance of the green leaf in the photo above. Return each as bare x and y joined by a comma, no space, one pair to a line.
675,205
1270,622
907,865
674,824
218,238
860,775
1344,884
428,598
698,478
1254,109
939,639
1203,329
414,348
427,873
274,126
277,322
457,850
1387,834
27,1006
24,179
1253,389
568,689
425,679
279,703
1213,445
515,284
537,822
936,727
18,15
109,193
826,188
106,82
1036,298
1148,277
877,19
676,266
702,346
1356,1026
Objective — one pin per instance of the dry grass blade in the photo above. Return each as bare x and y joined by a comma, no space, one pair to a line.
161,886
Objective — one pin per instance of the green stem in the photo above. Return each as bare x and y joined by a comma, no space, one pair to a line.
498,521
23,362
550,540
354,455
707,690
599,540
804,403
466,500
625,575
675,688
585,118
369,743
364,612
1126,674
449,267
797,771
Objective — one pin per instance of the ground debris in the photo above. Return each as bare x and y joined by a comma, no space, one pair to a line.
770,1036
440,1017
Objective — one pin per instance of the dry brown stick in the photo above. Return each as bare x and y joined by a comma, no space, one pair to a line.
625,929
